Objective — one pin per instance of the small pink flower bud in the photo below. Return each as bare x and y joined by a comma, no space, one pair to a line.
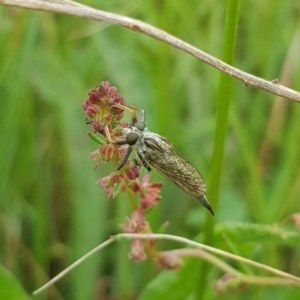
136,223
168,260
137,252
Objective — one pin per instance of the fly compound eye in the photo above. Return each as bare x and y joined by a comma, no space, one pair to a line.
140,125
131,138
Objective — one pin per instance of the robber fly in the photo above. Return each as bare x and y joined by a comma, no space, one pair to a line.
154,151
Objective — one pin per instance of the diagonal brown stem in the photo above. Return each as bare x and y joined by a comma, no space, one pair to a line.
76,9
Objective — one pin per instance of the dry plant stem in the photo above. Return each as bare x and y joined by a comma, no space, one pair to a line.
263,281
76,9
242,278
189,252
158,236
286,278
73,266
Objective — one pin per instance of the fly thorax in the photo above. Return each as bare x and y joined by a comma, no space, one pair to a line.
149,146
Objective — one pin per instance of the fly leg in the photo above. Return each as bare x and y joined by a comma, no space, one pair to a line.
132,109
130,140
140,161
131,137
120,142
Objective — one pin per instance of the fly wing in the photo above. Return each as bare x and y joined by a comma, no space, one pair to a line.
175,167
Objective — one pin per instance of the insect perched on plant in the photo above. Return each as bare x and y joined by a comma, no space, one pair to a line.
154,151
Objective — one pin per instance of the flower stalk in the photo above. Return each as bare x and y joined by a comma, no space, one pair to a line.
104,109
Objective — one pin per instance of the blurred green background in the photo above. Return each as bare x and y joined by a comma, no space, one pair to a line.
51,209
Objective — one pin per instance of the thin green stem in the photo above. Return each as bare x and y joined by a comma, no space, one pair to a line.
132,198
222,111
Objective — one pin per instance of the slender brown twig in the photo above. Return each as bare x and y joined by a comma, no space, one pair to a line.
79,10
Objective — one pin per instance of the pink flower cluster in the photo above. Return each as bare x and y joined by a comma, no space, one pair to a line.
104,109
101,107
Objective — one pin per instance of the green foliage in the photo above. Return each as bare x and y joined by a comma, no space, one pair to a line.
51,210
10,287
170,284
257,233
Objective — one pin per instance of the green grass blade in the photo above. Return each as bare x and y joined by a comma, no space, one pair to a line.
222,110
